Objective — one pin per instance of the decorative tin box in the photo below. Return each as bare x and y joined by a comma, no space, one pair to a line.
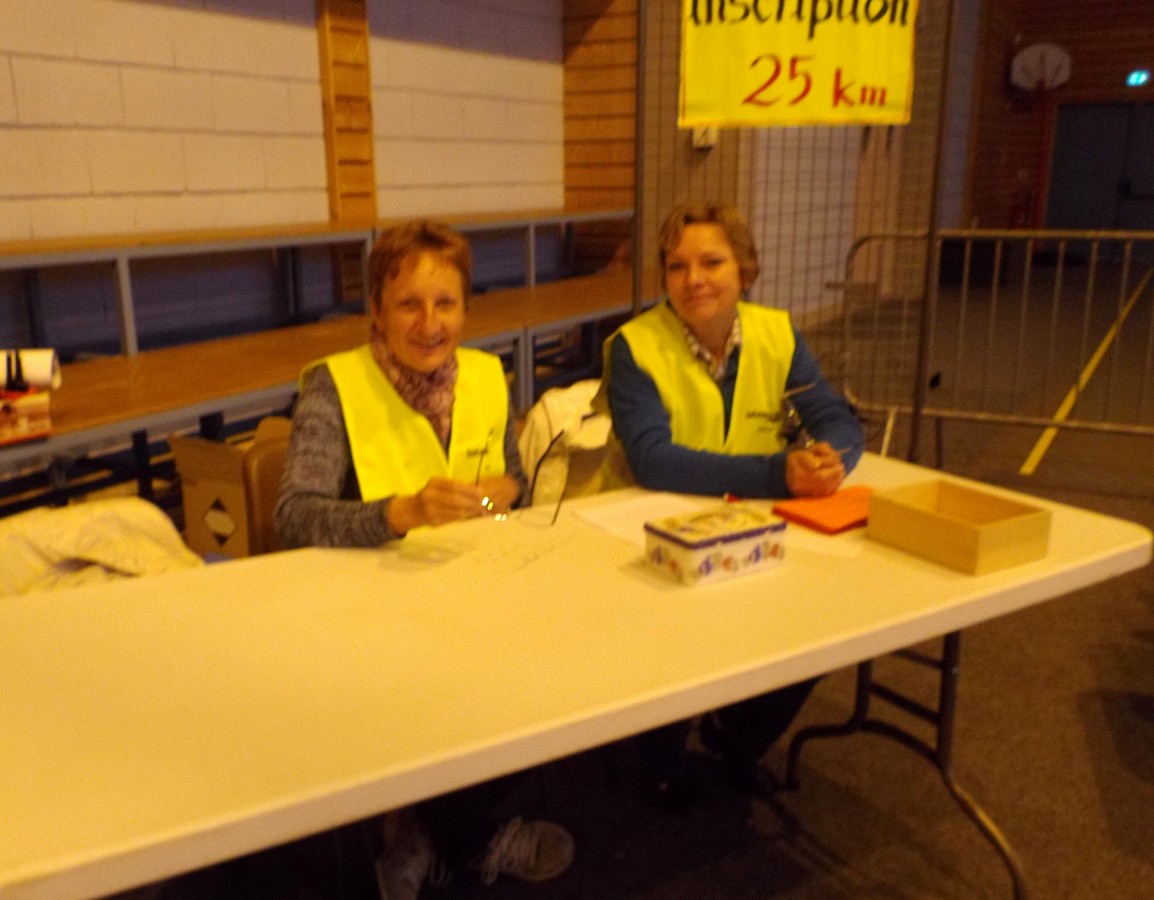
714,543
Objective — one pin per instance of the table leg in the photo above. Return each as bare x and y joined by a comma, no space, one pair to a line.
58,482
941,754
129,344
33,309
524,378
142,457
289,264
212,426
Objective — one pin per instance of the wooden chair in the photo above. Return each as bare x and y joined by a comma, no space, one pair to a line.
262,468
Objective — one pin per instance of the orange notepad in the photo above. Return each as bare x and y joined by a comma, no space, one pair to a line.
848,508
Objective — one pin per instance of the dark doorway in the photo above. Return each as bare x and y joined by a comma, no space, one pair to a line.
1102,176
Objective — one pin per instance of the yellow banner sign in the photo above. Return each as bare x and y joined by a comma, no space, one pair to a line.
796,62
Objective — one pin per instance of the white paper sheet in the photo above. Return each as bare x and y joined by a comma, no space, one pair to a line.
40,367
626,518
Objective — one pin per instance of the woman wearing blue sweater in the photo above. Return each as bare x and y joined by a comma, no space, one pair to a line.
713,395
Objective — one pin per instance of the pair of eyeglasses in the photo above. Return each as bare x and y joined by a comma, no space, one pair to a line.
486,501
541,460
481,457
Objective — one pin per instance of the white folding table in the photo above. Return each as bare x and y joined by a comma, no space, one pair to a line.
154,726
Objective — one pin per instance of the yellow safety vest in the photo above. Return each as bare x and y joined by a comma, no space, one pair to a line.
691,397
394,448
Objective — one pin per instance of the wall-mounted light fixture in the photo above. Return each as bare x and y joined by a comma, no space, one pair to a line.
1138,78
705,137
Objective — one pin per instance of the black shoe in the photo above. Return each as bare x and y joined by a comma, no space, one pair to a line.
712,737
742,769
751,777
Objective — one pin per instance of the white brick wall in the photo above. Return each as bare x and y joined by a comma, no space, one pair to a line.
80,215
131,115
141,162
15,221
110,31
120,116
167,99
125,108
53,92
40,27
43,162
222,162
467,105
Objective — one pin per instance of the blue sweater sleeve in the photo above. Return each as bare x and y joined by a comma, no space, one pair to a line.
824,412
641,423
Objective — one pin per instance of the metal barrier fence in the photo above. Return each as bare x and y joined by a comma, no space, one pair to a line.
1044,328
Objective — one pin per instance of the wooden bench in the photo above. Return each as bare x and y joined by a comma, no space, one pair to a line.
529,223
31,256
113,401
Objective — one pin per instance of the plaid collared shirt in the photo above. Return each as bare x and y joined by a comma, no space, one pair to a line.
715,366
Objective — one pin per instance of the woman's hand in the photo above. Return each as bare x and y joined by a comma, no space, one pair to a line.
816,471
443,500
440,501
502,491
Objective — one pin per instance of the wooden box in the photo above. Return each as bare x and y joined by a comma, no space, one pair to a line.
958,526
212,491
215,499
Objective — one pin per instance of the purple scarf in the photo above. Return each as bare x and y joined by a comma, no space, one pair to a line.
431,395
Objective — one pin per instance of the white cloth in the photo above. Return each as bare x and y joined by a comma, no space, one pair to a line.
46,549
558,428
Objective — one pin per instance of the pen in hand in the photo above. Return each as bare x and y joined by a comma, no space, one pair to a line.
820,456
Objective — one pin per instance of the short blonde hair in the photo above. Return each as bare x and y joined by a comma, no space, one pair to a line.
731,223
396,244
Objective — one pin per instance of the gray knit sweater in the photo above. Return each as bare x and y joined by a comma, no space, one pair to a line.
320,501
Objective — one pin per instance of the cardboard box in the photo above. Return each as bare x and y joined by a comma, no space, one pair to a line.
24,416
966,529
715,543
216,515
